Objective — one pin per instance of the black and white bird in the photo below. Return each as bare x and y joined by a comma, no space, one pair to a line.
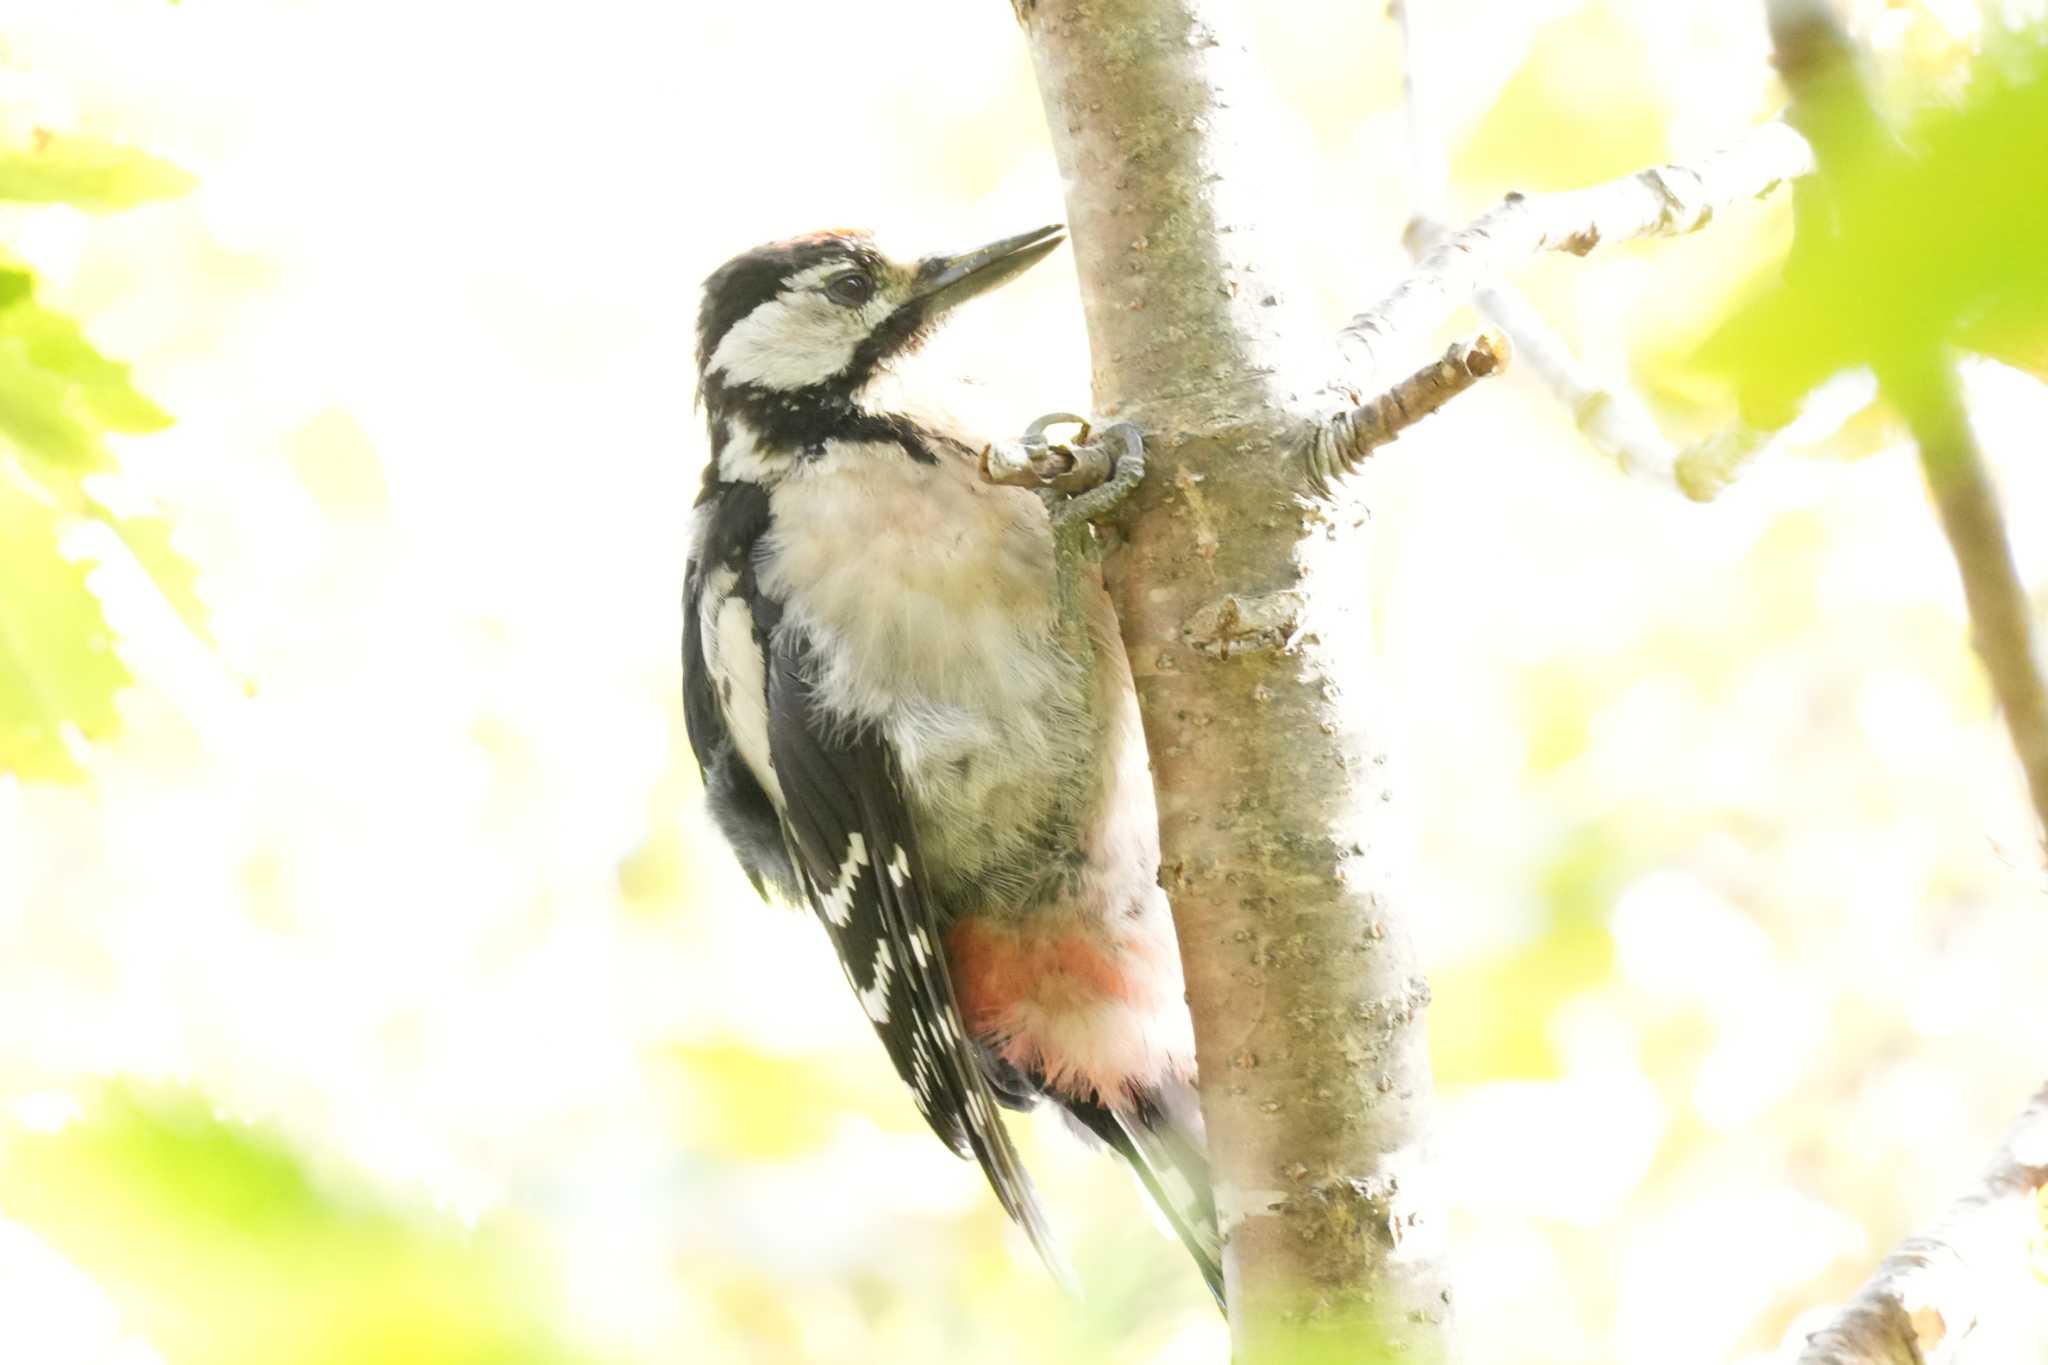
912,710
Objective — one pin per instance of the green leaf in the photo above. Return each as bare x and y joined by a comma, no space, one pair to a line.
58,393
58,670
59,398
1941,237
100,386
87,173
223,1246
40,411
148,538
62,385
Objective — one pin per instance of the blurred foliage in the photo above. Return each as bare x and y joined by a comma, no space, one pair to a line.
1724,903
86,173
1567,953
1941,233
757,1104
58,395
148,538
337,462
60,398
58,672
1551,128
216,1240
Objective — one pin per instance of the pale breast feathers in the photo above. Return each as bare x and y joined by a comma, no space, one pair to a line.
834,790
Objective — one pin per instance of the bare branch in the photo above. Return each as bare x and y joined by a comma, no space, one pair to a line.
1971,1265
1341,445
1612,418
1429,163
1704,469
1614,421
1665,201
2001,617
1834,108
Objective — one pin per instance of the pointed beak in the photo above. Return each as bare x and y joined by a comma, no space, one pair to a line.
945,282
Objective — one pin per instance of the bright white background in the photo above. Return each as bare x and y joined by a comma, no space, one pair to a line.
1721,863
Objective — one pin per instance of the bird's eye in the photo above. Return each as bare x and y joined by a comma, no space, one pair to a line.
853,289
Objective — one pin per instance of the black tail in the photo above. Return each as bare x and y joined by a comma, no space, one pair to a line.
1169,1162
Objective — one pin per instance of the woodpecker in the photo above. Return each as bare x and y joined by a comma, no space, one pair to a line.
910,704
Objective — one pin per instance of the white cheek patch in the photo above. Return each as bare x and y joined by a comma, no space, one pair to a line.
794,340
875,312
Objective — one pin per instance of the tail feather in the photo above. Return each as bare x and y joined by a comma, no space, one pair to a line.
1168,1160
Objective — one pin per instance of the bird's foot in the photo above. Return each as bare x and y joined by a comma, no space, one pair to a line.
1080,479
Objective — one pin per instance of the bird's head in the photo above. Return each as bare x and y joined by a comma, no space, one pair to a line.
826,311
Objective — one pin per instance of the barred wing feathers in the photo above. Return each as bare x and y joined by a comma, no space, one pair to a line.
815,808
857,857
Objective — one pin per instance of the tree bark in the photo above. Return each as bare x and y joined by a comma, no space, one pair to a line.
1279,838
1279,843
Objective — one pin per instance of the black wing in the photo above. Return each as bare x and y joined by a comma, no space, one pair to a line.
837,833
856,855
732,517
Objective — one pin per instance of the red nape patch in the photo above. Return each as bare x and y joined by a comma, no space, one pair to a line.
996,969
833,234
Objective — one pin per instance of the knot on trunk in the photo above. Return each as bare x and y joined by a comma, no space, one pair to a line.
1240,623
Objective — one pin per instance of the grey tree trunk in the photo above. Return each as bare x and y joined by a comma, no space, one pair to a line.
1269,751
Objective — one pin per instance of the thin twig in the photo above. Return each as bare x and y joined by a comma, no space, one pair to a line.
2001,617
1616,422
1429,161
1342,444
1974,1261
1665,201
1705,468
1611,417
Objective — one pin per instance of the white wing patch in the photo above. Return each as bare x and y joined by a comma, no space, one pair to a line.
740,675
921,1078
875,999
836,905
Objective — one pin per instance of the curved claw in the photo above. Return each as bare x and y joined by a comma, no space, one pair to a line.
1085,465
1034,435
1034,462
1077,482
1125,470
1133,441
